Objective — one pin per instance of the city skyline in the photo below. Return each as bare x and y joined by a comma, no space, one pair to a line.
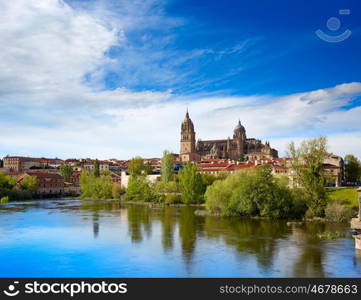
113,79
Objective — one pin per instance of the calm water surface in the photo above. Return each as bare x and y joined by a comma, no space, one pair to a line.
73,238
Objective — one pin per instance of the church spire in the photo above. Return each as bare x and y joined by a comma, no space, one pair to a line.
187,114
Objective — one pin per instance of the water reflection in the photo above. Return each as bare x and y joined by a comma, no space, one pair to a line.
265,247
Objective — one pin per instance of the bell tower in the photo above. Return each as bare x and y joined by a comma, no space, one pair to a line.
239,138
188,140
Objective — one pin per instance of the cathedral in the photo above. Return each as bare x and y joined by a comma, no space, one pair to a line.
237,148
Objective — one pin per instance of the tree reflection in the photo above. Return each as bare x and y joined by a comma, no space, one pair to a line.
248,236
95,224
139,222
187,232
168,225
262,239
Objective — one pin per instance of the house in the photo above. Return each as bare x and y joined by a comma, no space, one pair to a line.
88,165
20,163
48,183
124,180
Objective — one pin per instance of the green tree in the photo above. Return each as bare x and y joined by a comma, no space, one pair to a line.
93,187
190,184
148,169
218,194
29,183
96,168
1,163
139,189
252,193
167,166
309,174
117,191
6,182
352,169
66,171
136,166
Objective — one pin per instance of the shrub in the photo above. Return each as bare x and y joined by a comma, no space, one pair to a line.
218,194
29,183
139,189
253,193
117,191
166,187
190,184
337,212
4,199
172,199
95,187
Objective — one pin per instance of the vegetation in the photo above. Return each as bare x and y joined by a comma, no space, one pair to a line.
331,235
29,183
167,166
117,191
252,193
46,167
96,168
167,192
136,166
309,174
66,171
336,212
188,187
352,169
148,169
345,196
93,187
139,189
4,200
190,184
9,190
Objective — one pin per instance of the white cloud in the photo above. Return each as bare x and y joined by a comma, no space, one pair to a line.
47,46
48,110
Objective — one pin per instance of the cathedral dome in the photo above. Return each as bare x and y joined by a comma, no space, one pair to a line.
239,126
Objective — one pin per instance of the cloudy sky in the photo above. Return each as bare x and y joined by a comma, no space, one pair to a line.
113,78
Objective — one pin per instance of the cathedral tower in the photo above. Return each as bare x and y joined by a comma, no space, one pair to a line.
239,140
188,140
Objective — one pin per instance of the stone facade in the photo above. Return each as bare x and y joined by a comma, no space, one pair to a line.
235,148
48,183
335,166
20,163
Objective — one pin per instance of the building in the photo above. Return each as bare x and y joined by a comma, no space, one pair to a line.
48,183
239,147
124,180
334,165
88,165
50,162
223,167
20,163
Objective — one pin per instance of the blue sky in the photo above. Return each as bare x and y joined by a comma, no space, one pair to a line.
112,78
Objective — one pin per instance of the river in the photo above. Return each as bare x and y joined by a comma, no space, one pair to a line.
74,238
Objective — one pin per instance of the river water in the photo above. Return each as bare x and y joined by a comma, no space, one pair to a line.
74,238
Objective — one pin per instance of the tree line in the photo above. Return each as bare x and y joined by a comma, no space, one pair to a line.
255,192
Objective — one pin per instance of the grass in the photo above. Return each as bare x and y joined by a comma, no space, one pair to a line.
344,196
331,235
